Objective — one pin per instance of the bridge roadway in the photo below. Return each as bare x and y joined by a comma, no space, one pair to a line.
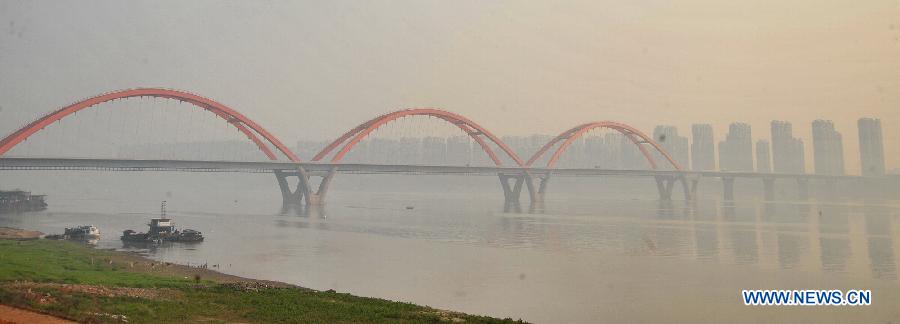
75,164
534,179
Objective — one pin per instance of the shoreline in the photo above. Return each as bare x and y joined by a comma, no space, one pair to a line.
140,263
74,281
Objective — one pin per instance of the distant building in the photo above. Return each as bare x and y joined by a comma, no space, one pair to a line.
434,151
306,149
525,147
787,151
630,156
459,150
703,155
828,148
736,151
763,157
871,147
677,146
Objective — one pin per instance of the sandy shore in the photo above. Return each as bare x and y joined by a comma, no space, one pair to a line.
9,233
16,315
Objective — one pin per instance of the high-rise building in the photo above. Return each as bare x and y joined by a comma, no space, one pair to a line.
828,148
736,151
763,157
871,147
677,146
787,151
703,155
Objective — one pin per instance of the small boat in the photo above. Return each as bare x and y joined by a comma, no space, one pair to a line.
132,236
82,232
188,235
21,201
162,229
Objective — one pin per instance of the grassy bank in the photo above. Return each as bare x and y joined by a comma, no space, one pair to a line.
72,281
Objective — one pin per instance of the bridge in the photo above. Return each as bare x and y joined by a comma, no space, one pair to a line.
284,164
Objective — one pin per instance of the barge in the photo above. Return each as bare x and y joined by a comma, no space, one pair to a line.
21,201
162,229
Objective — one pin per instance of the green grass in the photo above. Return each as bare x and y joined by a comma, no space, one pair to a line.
65,262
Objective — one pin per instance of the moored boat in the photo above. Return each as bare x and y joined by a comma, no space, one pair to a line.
21,201
82,232
162,229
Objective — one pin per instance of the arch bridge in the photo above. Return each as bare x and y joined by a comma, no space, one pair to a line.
514,173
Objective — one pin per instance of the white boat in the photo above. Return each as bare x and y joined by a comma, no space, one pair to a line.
84,231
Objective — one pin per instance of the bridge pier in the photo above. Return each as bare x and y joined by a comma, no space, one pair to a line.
314,195
690,188
768,189
511,190
728,188
537,195
289,197
665,185
513,184
832,189
802,189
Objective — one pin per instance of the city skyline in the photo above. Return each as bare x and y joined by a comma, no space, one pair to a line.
736,152
329,68
607,149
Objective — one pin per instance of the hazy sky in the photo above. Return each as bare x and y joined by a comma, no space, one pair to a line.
314,69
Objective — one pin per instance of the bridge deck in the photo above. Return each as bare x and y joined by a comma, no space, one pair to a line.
270,166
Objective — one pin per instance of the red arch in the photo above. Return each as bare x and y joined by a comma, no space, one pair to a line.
475,131
633,134
236,119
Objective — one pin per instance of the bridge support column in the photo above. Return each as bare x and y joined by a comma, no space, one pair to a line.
728,188
802,189
315,196
289,197
768,189
664,185
831,188
512,191
537,195
512,185
689,184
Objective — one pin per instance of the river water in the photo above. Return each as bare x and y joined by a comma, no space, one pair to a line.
602,250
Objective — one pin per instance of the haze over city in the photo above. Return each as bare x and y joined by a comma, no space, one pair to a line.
308,71
471,161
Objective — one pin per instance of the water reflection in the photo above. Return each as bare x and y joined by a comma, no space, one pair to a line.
303,210
832,238
880,242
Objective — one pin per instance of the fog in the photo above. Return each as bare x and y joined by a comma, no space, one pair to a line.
416,212
311,70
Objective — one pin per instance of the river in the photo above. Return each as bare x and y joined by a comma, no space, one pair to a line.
602,250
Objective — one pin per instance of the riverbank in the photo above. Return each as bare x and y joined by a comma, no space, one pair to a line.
76,282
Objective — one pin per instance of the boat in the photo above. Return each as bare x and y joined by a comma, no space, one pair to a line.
82,232
21,201
162,229
132,236
188,235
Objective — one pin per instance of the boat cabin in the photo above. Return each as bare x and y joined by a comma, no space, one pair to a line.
161,226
